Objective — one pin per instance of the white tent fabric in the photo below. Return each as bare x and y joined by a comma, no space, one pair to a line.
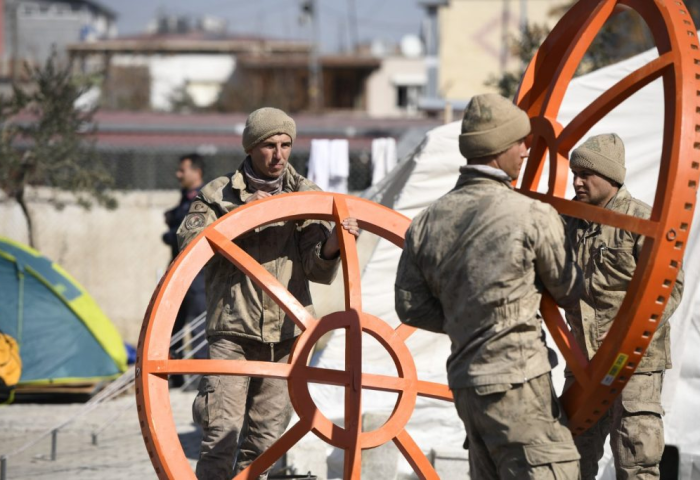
435,425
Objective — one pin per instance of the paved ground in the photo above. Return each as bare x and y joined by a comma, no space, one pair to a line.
119,454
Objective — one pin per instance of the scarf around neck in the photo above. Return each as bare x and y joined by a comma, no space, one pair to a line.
255,182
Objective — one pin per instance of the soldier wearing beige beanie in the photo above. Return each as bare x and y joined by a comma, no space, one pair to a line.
264,123
473,267
608,257
242,417
493,134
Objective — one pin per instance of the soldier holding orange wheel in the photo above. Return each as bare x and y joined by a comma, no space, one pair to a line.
242,417
608,257
474,266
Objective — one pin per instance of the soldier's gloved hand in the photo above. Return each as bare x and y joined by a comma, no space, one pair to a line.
332,247
258,195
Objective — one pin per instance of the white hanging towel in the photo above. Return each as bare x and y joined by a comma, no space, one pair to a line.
339,166
319,163
383,158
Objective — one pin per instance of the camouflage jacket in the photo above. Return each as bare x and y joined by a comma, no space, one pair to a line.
474,265
608,257
291,251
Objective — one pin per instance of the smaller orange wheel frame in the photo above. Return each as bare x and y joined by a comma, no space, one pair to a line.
153,365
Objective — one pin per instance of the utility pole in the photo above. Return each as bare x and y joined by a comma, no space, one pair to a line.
505,23
352,14
2,37
315,87
523,16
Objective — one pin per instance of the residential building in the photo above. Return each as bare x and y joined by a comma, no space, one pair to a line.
474,39
31,29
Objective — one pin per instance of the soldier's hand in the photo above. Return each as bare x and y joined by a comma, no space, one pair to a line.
258,195
332,247
350,224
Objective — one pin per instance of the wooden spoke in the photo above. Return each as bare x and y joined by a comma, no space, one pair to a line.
415,456
348,253
404,331
569,348
438,391
353,398
279,448
611,98
220,367
641,226
264,279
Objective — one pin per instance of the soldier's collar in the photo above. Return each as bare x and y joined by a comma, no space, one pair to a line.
484,171
238,183
622,195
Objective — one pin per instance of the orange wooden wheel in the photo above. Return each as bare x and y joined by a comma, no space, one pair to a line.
153,365
599,381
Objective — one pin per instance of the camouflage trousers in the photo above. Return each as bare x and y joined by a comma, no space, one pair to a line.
517,431
240,416
636,431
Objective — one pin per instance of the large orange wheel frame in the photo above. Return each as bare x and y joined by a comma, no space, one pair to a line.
599,381
153,365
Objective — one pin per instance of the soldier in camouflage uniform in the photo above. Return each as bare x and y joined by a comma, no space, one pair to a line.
608,257
474,266
242,417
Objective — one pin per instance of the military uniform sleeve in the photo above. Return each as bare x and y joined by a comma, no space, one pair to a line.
554,259
199,217
414,301
312,236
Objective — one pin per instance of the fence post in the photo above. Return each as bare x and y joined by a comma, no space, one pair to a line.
54,441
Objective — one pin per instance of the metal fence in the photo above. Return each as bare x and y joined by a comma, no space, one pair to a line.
154,169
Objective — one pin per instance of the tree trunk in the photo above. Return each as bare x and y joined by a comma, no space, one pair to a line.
19,196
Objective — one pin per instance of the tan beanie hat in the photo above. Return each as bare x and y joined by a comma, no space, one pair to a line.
264,123
603,154
491,124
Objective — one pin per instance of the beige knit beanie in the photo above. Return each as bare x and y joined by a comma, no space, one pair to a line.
491,124
603,154
264,123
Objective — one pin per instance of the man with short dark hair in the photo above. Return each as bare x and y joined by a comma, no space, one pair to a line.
608,257
190,173
242,417
474,266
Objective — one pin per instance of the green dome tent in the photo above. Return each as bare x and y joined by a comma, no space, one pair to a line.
64,338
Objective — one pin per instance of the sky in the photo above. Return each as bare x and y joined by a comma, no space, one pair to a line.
387,20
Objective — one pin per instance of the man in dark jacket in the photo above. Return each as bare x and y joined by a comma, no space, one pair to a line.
189,173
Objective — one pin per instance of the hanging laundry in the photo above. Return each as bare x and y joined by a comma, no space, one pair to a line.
383,158
339,166
329,164
319,163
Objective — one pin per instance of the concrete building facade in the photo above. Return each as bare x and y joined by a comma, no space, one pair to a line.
475,38
31,29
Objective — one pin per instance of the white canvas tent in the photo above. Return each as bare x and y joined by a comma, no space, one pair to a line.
431,172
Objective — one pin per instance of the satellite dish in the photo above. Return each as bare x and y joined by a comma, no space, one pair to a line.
411,46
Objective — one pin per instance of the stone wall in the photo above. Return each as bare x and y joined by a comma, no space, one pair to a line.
118,255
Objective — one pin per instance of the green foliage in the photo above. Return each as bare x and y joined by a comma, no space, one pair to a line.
46,141
523,48
623,36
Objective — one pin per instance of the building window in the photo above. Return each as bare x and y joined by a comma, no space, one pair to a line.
407,96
